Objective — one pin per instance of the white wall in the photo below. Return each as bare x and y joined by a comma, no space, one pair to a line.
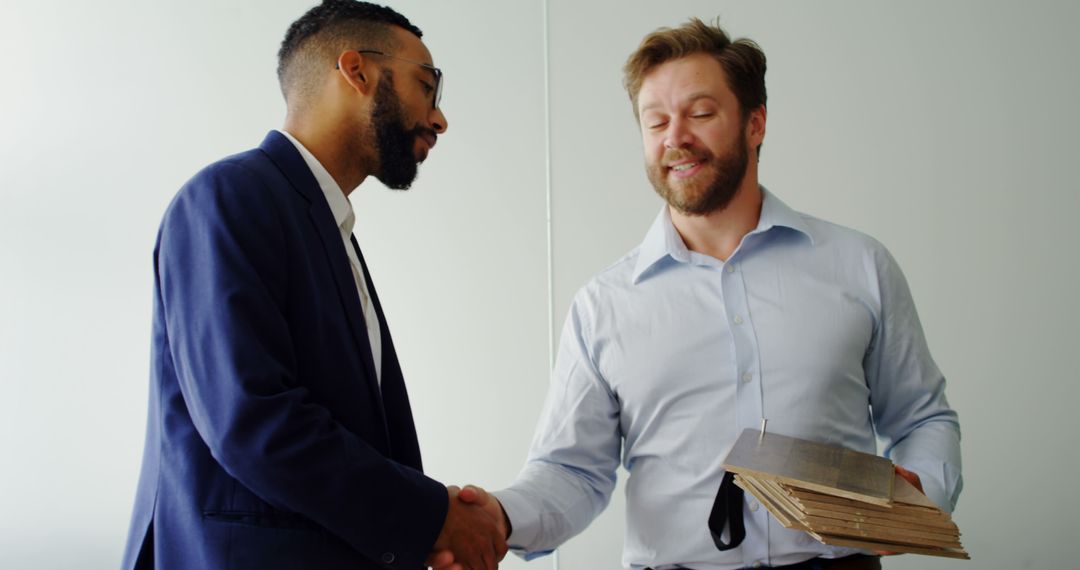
109,107
946,130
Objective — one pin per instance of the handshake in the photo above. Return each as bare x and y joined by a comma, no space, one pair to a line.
474,534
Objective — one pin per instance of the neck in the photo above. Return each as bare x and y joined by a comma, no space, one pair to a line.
324,142
719,233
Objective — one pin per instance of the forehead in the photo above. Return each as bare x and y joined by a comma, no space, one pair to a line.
410,46
673,81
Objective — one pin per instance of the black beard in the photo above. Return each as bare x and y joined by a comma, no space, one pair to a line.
394,142
730,170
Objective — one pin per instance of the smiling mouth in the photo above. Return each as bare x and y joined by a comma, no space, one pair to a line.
684,166
685,170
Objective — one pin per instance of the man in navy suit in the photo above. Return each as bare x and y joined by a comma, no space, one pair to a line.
279,432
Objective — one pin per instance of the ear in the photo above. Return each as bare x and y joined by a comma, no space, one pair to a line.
755,127
356,70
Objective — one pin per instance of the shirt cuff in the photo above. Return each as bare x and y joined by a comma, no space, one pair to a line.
524,522
933,486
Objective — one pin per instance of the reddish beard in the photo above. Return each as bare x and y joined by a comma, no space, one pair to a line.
712,188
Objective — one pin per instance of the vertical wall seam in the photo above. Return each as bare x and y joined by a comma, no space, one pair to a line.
547,196
547,192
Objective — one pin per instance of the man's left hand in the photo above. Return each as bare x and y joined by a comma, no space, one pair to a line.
912,478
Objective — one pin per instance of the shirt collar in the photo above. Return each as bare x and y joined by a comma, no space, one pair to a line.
340,206
663,240
775,213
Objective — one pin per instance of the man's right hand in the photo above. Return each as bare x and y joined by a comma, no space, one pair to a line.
475,538
477,496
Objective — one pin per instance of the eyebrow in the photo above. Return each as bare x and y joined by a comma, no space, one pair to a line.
431,73
692,98
702,95
428,67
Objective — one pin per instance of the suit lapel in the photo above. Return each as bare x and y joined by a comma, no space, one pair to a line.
292,165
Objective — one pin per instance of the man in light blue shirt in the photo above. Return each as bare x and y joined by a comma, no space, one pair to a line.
734,308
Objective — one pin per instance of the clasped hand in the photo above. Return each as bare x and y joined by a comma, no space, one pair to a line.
912,478
474,534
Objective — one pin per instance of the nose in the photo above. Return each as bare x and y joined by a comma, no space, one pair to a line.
678,134
438,121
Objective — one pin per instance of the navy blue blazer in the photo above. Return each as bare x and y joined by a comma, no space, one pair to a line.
269,441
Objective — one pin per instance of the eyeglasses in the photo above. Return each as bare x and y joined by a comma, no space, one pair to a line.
437,88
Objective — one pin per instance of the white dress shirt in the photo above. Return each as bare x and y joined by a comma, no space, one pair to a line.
345,219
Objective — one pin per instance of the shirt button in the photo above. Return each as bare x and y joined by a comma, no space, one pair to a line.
738,319
730,269
747,377
756,565
388,558
754,506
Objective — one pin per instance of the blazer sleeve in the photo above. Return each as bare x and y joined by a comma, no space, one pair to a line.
221,278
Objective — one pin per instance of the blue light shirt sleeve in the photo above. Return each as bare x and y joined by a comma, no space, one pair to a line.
907,391
569,475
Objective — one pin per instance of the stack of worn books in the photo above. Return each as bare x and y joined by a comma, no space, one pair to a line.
841,497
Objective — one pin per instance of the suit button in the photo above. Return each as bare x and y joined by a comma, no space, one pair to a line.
388,558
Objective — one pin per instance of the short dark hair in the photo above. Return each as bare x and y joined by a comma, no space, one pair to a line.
742,60
313,42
